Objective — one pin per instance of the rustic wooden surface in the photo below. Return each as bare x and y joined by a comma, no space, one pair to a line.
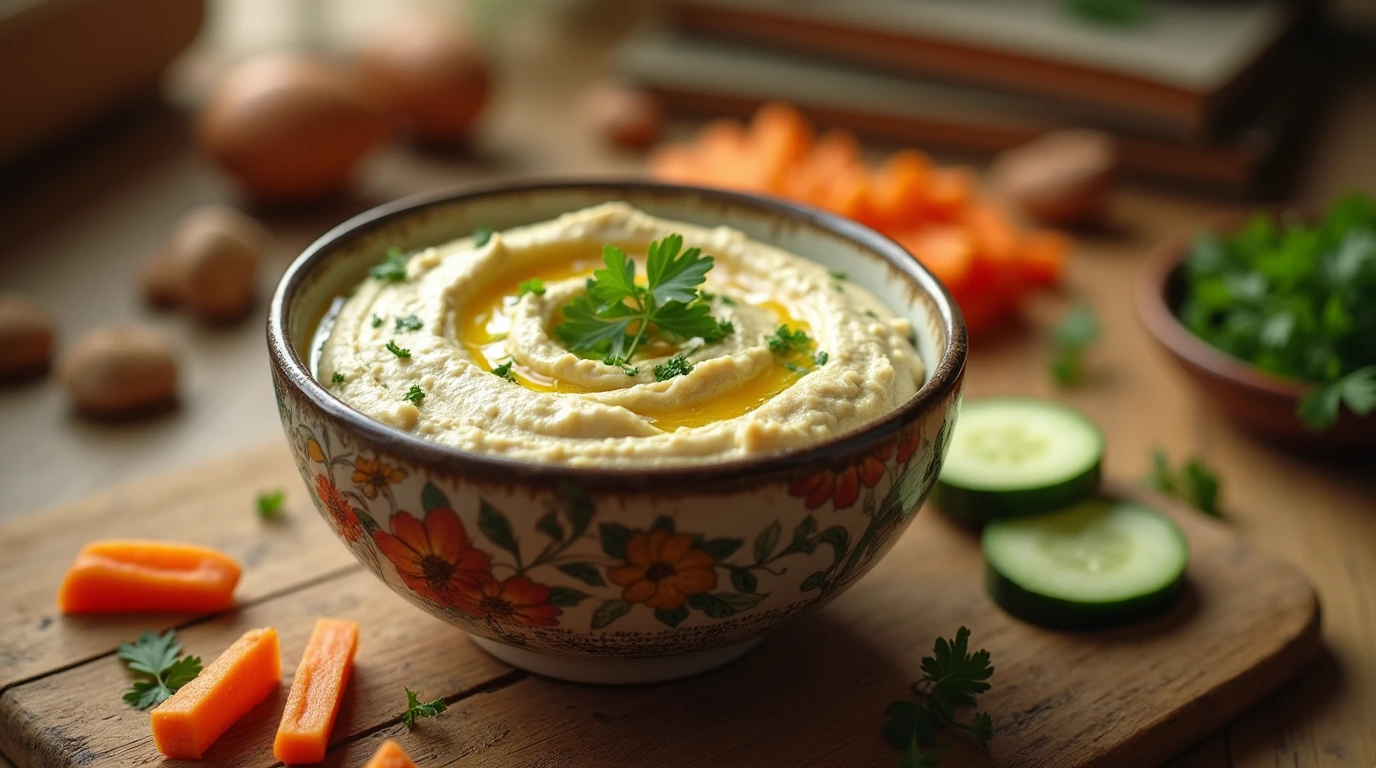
1125,698
78,218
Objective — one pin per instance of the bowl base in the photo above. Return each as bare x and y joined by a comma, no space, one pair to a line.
581,669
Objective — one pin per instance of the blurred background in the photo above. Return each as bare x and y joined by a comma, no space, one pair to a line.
1057,127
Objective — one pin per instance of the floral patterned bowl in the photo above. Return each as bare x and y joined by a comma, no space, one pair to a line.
599,575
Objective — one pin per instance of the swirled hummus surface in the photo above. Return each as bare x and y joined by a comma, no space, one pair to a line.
459,314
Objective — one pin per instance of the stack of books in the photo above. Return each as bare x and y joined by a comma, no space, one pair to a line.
1210,93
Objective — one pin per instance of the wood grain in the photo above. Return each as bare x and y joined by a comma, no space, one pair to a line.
1124,698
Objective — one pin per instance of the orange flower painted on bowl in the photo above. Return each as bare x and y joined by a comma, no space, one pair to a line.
843,487
374,476
435,557
341,512
908,445
662,569
517,600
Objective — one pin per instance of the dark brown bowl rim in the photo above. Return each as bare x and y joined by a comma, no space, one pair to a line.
1155,312
945,377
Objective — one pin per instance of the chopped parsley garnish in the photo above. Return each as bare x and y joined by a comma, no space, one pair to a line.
616,315
1295,300
398,351
481,236
951,679
409,323
1069,341
504,371
376,322
836,274
158,659
620,362
416,709
709,296
336,378
821,357
788,342
677,365
414,395
393,267
534,285
870,313
270,504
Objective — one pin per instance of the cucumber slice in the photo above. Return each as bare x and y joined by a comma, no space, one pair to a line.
1017,456
1097,564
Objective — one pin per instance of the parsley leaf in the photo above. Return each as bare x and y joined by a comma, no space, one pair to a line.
409,323
376,322
398,351
677,365
917,757
1195,484
481,236
504,371
1069,341
600,322
414,395
788,342
270,504
836,274
1294,299
393,267
952,678
821,357
157,657
336,378
534,285
416,709
620,362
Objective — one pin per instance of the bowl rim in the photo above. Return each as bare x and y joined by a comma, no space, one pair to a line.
945,378
1155,312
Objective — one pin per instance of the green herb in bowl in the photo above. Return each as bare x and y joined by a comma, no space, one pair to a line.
1294,299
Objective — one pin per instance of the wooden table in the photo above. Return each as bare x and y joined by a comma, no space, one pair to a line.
78,219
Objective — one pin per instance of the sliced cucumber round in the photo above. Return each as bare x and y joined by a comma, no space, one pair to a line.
1017,456
1098,564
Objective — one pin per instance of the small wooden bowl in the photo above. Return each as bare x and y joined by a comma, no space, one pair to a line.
1261,401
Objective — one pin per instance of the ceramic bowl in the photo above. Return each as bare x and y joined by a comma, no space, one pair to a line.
1258,400
606,575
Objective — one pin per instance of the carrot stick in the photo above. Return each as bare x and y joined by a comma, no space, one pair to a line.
133,575
899,187
191,720
316,692
389,755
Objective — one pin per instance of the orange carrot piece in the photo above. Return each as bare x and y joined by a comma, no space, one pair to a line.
316,692
780,139
945,250
191,720
1044,255
390,755
899,187
995,236
677,163
948,192
848,194
125,575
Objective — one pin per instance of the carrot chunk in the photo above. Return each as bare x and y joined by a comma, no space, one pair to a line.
1043,257
191,720
946,251
899,187
316,693
389,755
948,192
124,575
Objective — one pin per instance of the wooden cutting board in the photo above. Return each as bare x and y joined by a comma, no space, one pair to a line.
814,694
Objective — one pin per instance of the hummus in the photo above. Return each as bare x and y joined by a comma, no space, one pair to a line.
459,314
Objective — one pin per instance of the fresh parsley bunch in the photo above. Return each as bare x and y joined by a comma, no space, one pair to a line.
615,316
1295,300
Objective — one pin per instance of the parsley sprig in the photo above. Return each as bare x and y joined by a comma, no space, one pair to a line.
1195,484
615,315
416,709
951,679
534,285
504,370
1075,334
677,365
793,346
393,267
157,658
